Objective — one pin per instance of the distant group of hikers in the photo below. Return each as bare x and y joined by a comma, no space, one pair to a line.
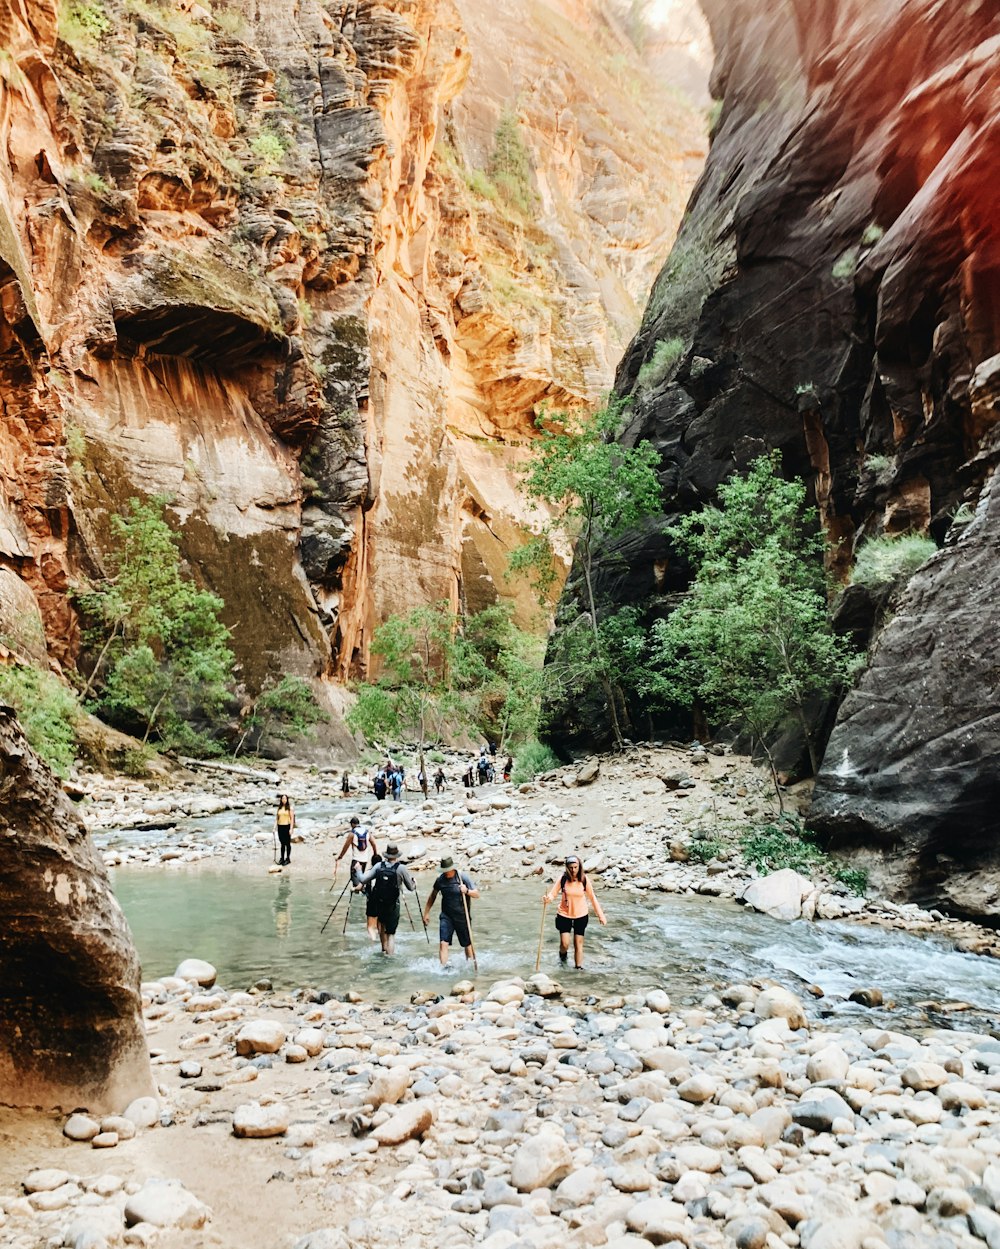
382,877
390,777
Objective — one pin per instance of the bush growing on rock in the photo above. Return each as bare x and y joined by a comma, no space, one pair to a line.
891,561
48,713
533,758
785,843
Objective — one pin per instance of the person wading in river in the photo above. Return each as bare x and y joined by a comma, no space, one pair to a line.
284,823
384,880
455,889
576,896
364,853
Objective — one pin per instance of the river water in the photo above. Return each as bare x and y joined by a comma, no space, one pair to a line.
251,928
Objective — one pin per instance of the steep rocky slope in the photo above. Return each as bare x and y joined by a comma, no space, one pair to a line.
256,258
833,293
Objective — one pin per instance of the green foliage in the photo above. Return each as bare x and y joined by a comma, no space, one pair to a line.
82,22
478,182
665,355
165,658
751,642
600,488
510,165
231,21
507,667
891,561
878,463
844,266
435,756
783,843
872,235
855,878
135,760
715,115
269,148
94,182
286,707
532,759
704,849
48,713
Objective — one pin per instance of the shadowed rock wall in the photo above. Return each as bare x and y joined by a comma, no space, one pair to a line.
834,293
70,1010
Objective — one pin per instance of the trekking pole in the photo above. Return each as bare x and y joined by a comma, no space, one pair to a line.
422,920
408,916
348,915
335,905
472,944
541,932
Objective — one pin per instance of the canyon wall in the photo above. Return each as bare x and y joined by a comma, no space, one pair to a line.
262,259
834,294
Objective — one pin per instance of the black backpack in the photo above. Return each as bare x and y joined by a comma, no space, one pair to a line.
385,883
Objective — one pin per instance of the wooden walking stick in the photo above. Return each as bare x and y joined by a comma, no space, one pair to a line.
468,924
541,933
408,916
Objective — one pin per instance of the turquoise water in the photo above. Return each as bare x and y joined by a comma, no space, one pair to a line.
255,927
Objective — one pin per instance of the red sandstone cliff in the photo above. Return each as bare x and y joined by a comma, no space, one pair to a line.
251,257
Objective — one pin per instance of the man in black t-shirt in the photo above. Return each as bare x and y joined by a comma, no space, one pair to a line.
455,889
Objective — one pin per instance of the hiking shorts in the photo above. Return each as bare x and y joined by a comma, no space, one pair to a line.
576,926
448,928
388,917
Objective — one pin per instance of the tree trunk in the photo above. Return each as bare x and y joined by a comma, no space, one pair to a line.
97,665
605,683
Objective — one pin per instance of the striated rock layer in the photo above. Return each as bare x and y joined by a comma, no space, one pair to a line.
833,293
251,259
71,1028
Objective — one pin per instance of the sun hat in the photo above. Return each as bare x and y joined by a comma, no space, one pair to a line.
447,864
392,852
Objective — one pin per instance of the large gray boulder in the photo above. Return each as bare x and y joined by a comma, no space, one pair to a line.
70,1010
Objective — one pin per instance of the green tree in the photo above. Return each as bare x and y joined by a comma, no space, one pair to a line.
509,165
751,642
600,488
507,668
422,682
287,706
165,658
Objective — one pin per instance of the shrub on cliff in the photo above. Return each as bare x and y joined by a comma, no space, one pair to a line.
891,561
164,662
47,710
751,642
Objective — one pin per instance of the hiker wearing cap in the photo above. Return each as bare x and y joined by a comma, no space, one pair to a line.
383,880
456,889
576,896
364,854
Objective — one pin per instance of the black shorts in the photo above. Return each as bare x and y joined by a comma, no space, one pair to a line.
451,926
576,926
388,917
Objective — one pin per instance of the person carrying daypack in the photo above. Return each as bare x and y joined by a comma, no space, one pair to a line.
379,785
383,881
360,843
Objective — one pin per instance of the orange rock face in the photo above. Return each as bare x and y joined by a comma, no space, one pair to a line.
281,265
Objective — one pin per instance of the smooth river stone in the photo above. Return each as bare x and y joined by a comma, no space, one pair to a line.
253,1120
540,1162
260,1036
405,1123
166,1203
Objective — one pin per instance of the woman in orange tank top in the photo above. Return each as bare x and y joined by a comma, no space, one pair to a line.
576,896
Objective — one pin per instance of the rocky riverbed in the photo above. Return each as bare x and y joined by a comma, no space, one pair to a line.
519,1115
641,820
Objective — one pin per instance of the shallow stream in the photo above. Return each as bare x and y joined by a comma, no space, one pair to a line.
250,928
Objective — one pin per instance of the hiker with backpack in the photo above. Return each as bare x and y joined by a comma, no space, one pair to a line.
364,854
383,882
576,896
455,889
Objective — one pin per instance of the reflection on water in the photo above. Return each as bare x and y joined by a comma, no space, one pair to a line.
251,927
